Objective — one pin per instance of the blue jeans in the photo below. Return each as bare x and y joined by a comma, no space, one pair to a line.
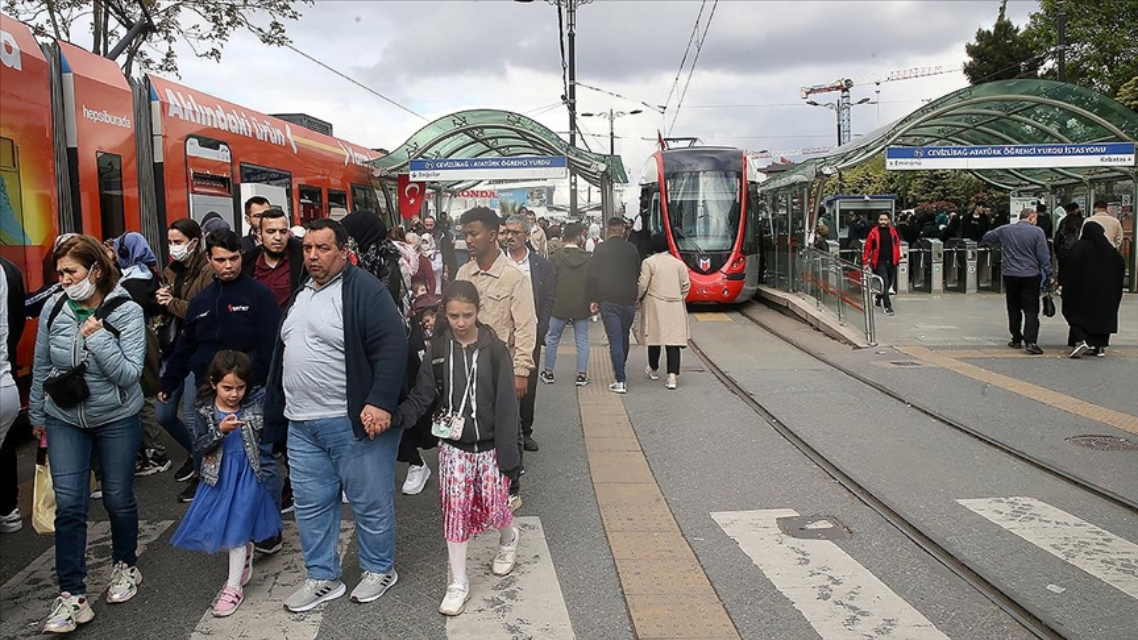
69,451
184,433
618,323
580,335
325,455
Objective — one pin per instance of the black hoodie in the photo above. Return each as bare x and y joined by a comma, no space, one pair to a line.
492,419
571,268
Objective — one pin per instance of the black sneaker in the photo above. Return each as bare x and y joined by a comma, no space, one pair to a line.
546,376
529,444
191,490
889,311
287,505
269,546
1100,352
185,472
1015,344
582,379
1033,349
150,462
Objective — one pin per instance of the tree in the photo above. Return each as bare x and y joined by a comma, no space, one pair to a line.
1128,94
1102,52
203,25
1000,53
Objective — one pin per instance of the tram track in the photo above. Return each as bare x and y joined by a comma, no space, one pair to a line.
1037,623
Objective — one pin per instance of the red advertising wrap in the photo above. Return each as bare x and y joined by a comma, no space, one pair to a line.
411,196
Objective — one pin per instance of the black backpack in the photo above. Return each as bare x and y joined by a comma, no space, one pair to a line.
151,381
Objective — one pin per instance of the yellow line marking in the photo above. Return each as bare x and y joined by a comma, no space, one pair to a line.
666,589
712,316
1061,401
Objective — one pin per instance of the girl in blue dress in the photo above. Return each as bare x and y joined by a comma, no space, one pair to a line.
233,506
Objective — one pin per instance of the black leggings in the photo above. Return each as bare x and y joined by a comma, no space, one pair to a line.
673,359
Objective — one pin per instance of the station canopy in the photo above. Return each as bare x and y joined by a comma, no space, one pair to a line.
490,133
1007,112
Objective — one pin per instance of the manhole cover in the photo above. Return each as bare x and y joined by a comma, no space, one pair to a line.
813,527
904,363
1104,443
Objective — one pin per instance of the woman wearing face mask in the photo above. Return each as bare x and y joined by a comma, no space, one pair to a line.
89,356
188,273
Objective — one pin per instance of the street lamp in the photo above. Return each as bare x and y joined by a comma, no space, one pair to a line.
839,108
611,116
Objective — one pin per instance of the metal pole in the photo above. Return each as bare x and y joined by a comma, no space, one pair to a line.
571,14
1134,233
612,133
1061,67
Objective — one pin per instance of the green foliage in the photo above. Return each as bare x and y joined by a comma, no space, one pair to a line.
1128,94
1000,53
1102,52
203,25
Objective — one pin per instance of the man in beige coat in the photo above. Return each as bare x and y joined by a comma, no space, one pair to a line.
1109,223
662,292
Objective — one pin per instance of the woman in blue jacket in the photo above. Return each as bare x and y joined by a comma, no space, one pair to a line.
95,333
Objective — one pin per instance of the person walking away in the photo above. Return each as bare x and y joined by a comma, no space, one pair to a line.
1092,292
661,294
1067,234
278,262
234,312
881,254
571,306
1026,265
440,231
479,460
374,253
1110,224
418,437
1043,220
92,331
138,267
615,295
337,415
255,207
974,225
233,505
516,238
185,277
12,319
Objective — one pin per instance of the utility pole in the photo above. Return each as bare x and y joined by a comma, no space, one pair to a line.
571,18
1061,67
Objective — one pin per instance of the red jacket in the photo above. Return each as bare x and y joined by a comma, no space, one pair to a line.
869,253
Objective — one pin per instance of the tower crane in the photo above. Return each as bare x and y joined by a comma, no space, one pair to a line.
843,86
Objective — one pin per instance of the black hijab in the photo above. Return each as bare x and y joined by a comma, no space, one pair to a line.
1092,278
365,227
658,243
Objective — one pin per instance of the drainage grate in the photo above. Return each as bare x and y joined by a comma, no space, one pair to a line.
1104,443
813,527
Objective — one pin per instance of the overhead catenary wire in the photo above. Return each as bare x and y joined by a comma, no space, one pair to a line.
564,58
695,61
357,83
687,50
655,107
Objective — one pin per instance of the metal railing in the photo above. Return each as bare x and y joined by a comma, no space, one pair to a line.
839,286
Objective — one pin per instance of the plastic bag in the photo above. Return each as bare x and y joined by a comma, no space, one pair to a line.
43,494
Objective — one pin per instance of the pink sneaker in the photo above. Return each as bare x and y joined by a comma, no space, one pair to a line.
228,599
247,572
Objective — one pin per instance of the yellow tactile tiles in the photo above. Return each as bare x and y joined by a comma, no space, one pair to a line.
667,591
1081,408
712,316
1010,353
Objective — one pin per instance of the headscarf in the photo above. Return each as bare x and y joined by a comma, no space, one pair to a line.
427,245
1096,234
132,249
658,243
595,232
365,227
212,223
298,231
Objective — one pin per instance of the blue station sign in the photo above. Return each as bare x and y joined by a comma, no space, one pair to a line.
1011,156
511,168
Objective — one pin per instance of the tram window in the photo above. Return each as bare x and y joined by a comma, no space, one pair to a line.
110,194
311,203
266,175
337,204
657,224
364,198
750,238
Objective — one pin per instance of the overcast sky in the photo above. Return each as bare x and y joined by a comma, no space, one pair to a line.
436,57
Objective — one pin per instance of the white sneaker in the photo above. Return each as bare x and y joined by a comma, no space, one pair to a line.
417,476
671,382
67,613
1079,350
124,583
507,556
11,523
97,492
653,374
618,387
343,497
455,600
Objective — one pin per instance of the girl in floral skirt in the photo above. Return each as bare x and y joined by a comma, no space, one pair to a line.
233,506
470,372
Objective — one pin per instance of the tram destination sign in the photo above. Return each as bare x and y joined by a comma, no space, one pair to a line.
1011,156
510,168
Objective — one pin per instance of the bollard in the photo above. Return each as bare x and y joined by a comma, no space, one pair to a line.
902,284
934,264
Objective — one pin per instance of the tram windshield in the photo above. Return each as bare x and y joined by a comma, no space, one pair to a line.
703,209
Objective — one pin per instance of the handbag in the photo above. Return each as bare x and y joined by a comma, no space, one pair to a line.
447,424
1048,305
68,388
168,327
43,493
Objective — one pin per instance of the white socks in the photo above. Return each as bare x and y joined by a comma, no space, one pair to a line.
505,536
456,554
236,566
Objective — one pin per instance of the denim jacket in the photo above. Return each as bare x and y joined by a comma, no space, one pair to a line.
209,443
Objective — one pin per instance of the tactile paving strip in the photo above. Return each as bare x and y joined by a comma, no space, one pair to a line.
667,591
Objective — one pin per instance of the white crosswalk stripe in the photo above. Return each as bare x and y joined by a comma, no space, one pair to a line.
528,603
837,595
262,615
26,598
1092,549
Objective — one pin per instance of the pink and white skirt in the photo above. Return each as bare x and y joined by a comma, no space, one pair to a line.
474,493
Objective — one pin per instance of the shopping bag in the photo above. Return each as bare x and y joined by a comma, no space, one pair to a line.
1048,305
43,495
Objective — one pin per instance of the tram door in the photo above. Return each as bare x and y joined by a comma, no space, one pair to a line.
209,168
751,247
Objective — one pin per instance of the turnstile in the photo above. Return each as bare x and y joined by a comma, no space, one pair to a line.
960,265
932,269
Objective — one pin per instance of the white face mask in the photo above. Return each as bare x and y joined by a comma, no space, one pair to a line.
81,290
180,252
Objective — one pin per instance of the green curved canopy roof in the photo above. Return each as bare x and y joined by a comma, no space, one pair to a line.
996,113
489,133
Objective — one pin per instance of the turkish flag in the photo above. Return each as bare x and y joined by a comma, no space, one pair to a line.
411,196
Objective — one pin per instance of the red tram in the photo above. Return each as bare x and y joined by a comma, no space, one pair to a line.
705,200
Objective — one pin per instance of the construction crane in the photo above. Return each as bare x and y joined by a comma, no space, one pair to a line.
843,86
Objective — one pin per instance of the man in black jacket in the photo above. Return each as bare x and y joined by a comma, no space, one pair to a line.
336,379
278,262
615,294
515,235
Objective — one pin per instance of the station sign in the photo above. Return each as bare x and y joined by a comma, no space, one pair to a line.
1010,156
512,168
